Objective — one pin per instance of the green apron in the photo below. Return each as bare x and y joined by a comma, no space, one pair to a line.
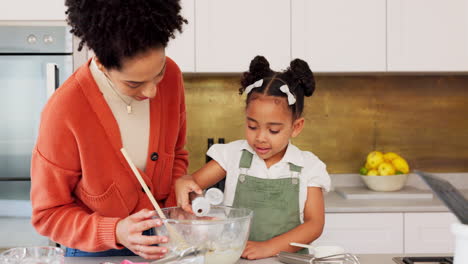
275,202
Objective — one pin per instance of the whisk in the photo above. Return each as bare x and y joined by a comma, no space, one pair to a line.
343,258
296,258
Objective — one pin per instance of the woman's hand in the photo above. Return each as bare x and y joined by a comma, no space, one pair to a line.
129,234
258,250
183,187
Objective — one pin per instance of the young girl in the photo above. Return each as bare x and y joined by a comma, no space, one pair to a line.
266,173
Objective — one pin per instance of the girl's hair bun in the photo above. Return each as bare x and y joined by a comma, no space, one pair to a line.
259,68
302,76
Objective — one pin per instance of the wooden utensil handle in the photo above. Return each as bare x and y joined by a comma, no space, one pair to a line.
143,184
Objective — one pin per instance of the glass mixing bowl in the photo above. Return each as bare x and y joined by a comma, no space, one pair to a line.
33,255
219,237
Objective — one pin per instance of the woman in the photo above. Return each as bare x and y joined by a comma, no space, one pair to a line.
84,194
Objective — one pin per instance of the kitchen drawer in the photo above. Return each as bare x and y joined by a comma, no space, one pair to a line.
364,233
429,232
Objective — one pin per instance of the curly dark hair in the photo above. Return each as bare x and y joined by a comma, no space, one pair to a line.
297,76
117,29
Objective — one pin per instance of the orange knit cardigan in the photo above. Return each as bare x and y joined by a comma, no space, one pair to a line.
81,184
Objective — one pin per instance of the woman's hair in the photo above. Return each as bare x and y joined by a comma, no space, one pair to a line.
297,76
117,29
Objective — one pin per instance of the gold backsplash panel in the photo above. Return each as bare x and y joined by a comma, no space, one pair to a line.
423,118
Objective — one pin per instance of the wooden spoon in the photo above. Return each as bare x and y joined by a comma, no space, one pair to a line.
172,232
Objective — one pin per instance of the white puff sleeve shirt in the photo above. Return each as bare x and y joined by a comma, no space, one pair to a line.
313,174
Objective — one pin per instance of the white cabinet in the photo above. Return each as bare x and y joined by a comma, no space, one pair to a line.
429,233
364,233
229,34
32,10
182,48
17,232
427,35
389,233
331,35
340,35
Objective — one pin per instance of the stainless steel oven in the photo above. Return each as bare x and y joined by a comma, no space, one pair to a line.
34,61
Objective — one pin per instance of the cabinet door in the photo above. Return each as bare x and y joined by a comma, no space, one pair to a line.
32,10
427,35
340,35
229,34
182,48
364,233
429,233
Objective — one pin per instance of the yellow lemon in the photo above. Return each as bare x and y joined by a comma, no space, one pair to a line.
374,159
367,166
386,168
372,173
400,164
389,156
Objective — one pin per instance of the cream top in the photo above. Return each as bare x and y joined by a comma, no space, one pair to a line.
134,127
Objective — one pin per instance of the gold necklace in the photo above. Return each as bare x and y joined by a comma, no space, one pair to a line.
129,105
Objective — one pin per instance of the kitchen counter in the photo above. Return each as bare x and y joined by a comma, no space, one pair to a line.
336,203
364,259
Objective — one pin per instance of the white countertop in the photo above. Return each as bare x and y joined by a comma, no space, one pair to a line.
335,203
364,259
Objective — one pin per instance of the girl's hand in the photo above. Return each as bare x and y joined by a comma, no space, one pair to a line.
129,234
183,187
258,250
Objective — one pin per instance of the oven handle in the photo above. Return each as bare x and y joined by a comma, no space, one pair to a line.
52,78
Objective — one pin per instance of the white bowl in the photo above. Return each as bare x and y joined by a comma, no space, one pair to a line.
388,183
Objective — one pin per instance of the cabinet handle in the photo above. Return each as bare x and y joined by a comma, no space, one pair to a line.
52,80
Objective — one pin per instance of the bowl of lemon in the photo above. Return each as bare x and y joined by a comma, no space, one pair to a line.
384,172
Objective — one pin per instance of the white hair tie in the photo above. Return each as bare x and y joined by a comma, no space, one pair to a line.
256,84
284,88
291,98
